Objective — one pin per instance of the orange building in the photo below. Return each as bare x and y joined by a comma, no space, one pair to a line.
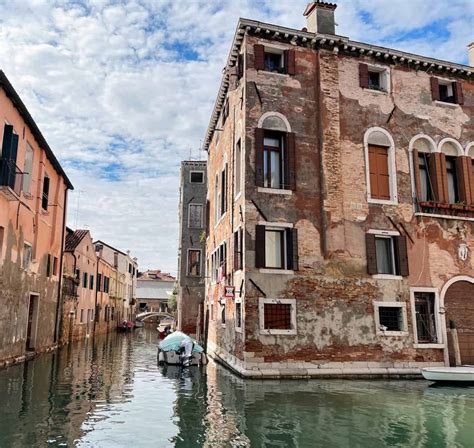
33,199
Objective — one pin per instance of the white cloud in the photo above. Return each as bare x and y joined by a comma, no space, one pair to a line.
131,86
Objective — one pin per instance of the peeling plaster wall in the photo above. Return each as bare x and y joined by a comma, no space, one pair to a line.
329,113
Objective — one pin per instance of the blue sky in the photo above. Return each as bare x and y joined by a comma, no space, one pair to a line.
123,91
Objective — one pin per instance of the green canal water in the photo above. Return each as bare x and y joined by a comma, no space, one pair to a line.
109,392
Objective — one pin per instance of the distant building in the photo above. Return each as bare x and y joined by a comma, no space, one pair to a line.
33,200
192,238
153,291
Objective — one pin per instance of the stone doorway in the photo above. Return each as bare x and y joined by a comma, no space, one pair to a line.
459,306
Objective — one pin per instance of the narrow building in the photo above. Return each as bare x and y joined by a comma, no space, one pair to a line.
33,200
341,192
192,238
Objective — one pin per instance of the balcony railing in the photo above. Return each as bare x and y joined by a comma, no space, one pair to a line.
458,210
11,179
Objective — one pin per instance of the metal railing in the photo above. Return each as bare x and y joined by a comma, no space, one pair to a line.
10,175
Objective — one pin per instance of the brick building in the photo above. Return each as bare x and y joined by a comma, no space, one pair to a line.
192,222
33,200
341,192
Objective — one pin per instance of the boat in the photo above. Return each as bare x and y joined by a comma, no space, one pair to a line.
179,349
460,375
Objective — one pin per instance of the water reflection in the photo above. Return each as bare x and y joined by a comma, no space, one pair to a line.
109,392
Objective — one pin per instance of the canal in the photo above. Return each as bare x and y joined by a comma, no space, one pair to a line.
109,392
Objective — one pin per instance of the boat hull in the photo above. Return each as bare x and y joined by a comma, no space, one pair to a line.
174,359
463,375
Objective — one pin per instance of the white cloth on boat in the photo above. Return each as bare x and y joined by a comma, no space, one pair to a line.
187,343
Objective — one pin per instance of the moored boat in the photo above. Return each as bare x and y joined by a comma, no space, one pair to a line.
180,349
461,374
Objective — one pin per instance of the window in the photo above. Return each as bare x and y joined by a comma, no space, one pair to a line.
2,236
447,91
238,314
426,330
390,318
225,112
223,312
194,262
82,316
91,282
27,169
277,316
426,187
84,280
27,251
380,162
195,218
78,275
223,195
129,268
217,200
45,194
49,266
196,177
55,265
99,282
238,249
276,247
373,77
274,60
219,263
273,160
453,192
387,254
238,168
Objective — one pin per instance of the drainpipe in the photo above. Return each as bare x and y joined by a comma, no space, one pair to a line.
58,319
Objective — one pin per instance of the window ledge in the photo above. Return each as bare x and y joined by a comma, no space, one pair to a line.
276,271
268,72
428,345
278,332
382,201
274,191
444,103
387,277
238,329
379,92
392,333
435,215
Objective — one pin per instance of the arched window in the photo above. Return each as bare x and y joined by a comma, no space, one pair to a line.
274,152
423,149
453,172
380,165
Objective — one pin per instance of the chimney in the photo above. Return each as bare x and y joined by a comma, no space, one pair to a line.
471,54
320,17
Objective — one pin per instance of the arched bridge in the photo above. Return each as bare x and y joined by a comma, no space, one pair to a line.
147,314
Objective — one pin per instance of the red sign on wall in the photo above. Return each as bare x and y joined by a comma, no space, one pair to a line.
229,291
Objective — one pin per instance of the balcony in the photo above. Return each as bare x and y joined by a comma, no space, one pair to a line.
11,179
454,210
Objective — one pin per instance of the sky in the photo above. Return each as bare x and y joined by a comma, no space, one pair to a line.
123,91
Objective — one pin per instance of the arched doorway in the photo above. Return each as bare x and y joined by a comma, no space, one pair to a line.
459,312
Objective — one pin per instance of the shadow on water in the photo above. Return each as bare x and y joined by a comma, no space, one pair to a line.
109,392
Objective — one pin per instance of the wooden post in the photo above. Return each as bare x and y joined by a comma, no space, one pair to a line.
455,340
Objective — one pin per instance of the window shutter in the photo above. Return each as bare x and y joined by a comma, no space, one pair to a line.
458,95
463,166
14,148
259,57
364,76
290,64
259,157
402,252
434,88
416,172
208,216
470,173
292,249
371,254
7,141
444,177
260,247
290,162
436,176
379,172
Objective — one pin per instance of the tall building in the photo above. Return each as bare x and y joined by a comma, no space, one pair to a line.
341,192
33,200
192,236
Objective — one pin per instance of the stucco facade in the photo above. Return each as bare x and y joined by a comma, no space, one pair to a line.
331,300
192,221
33,198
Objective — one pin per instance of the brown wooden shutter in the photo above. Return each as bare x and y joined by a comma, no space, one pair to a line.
260,247
364,76
463,166
240,66
471,179
379,172
371,253
402,253
290,64
292,249
458,95
259,57
416,172
434,88
259,132
444,177
290,162
436,176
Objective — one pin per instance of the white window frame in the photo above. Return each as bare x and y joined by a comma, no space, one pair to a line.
392,167
261,315
201,225
385,78
196,171
438,320
275,49
238,329
386,234
402,305
278,226
200,263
